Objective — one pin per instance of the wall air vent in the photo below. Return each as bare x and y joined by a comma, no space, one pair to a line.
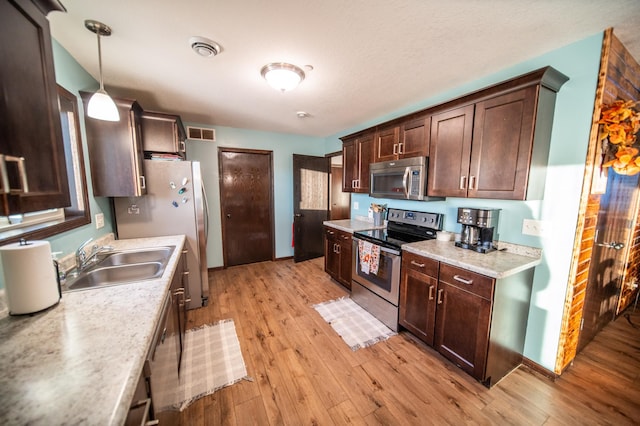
201,134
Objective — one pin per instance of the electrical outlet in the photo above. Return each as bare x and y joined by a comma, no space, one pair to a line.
356,205
99,220
536,228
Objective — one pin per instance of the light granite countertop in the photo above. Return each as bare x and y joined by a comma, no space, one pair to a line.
497,264
351,225
79,361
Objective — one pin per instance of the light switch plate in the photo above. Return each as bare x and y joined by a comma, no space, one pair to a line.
536,228
99,220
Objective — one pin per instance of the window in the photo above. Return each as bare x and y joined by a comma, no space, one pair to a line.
46,223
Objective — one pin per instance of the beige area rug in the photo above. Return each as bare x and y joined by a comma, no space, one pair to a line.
212,359
357,327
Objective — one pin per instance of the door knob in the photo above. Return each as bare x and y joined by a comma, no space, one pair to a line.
614,245
228,216
297,215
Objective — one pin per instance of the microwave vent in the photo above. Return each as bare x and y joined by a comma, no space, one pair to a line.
201,134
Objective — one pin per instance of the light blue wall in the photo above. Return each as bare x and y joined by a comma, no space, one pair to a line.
559,208
283,147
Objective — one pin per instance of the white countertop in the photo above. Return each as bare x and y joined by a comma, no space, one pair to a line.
496,264
351,225
79,361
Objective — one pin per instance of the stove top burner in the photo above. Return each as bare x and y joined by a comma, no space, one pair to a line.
404,226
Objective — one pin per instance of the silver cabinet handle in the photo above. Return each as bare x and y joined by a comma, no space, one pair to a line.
6,185
463,182
143,182
419,265
439,302
431,287
472,182
401,148
182,147
462,280
395,149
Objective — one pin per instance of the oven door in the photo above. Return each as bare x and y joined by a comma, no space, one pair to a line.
386,281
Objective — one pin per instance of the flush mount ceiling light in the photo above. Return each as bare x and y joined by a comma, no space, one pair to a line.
204,47
282,76
101,106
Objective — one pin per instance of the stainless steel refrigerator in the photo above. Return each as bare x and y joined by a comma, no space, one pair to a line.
175,204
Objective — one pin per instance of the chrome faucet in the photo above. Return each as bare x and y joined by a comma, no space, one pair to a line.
82,260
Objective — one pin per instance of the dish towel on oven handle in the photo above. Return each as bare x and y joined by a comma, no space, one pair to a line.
369,257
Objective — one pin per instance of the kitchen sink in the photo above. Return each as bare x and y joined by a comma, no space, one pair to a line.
127,257
121,267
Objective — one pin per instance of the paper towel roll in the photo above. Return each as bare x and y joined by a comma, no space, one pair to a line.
30,280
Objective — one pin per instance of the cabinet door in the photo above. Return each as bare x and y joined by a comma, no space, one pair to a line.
162,133
450,152
417,303
387,144
349,164
502,144
414,138
29,112
346,250
365,157
462,328
115,151
331,257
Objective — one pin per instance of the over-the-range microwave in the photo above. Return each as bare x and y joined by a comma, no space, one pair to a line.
403,179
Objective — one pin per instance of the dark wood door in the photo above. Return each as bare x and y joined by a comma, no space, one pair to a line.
450,152
609,255
502,143
246,202
310,205
462,328
30,126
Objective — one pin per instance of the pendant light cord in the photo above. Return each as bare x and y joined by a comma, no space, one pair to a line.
100,61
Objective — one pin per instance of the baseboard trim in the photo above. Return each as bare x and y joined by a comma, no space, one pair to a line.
537,368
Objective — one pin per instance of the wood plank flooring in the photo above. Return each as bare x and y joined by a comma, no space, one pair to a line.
303,373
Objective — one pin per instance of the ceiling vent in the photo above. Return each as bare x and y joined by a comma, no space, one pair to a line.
201,134
204,47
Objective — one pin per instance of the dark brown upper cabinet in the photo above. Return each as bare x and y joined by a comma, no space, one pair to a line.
357,154
163,133
495,143
402,139
115,151
31,141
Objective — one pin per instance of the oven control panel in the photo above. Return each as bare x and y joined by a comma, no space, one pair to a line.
422,219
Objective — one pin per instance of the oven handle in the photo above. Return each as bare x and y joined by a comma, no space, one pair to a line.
382,248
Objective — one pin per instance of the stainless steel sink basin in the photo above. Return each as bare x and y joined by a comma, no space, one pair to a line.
127,257
123,266
111,275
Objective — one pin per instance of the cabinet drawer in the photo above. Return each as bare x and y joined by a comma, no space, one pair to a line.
421,264
480,285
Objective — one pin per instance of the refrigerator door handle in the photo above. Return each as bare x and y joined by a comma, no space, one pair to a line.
206,213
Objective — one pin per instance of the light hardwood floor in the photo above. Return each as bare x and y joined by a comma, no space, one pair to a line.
304,374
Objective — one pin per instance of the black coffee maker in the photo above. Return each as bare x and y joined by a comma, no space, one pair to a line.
479,229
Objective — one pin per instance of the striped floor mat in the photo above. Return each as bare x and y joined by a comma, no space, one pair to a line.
212,359
357,327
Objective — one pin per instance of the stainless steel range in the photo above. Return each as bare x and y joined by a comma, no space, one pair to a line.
376,264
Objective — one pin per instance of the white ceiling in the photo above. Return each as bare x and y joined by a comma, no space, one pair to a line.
369,57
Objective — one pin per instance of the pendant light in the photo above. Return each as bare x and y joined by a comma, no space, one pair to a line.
101,106
282,76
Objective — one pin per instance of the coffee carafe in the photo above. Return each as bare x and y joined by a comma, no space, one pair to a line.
478,229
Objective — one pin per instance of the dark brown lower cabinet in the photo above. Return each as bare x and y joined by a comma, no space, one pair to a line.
477,322
337,255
